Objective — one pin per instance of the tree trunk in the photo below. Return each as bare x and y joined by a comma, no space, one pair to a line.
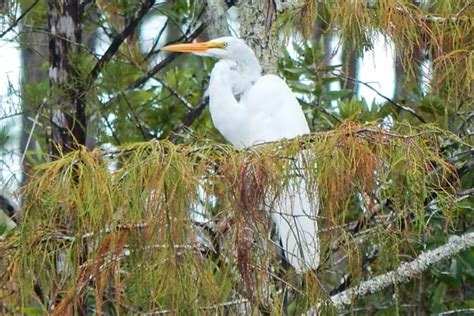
34,53
67,111
89,38
349,59
258,30
215,14
405,81
68,119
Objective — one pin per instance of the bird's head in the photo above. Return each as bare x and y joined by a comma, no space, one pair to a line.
231,48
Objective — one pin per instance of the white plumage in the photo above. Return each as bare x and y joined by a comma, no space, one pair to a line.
250,109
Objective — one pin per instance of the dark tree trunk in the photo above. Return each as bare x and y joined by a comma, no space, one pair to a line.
34,54
66,104
215,15
349,59
68,118
403,80
258,29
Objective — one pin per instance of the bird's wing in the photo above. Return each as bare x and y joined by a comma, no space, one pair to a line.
295,214
273,111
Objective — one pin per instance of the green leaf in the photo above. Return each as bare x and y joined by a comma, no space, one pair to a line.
337,94
297,85
3,227
296,71
437,298
449,280
32,311
328,80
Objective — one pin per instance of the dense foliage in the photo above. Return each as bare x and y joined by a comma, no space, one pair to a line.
154,213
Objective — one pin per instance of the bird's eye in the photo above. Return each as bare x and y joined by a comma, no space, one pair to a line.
224,45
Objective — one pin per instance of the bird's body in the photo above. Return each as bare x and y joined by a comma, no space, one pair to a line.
249,109
267,111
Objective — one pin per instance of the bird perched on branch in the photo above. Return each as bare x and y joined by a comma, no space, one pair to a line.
249,109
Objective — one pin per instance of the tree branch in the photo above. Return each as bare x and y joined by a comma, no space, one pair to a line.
189,119
175,93
118,40
8,207
157,40
84,4
405,272
168,59
27,10
155,69
136,117
398,106
431,18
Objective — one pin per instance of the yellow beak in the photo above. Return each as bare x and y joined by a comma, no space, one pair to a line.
192,47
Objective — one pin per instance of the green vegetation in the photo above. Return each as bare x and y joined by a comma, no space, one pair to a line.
158,215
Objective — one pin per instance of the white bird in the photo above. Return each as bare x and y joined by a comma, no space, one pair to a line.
266,111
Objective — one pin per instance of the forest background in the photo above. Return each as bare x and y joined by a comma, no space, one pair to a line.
119,196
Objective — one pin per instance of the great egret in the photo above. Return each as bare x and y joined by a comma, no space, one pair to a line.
266,111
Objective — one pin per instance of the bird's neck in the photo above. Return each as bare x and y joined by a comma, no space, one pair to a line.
250,66
248,69
227,114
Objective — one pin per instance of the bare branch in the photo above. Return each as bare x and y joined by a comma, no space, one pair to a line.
465,193
137,119
189,119
27,10
397,105
241,303
168,59
431,18
155,69
461,311
405,272
118,40
175,93
157,40
8,207
84,4
30,135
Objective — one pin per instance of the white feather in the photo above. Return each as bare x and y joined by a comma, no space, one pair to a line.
267,111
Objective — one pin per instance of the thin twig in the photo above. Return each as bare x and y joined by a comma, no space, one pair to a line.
30,135
84,4
154,70
118,40
321,109
430,18
211,307
111,128
136,117
189,119
33,29
27,10
467,192
405,272
175,94
389,100
187,36
8,207
160,33
461,311
168,59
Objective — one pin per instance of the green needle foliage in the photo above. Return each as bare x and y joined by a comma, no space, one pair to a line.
445,29
155,226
